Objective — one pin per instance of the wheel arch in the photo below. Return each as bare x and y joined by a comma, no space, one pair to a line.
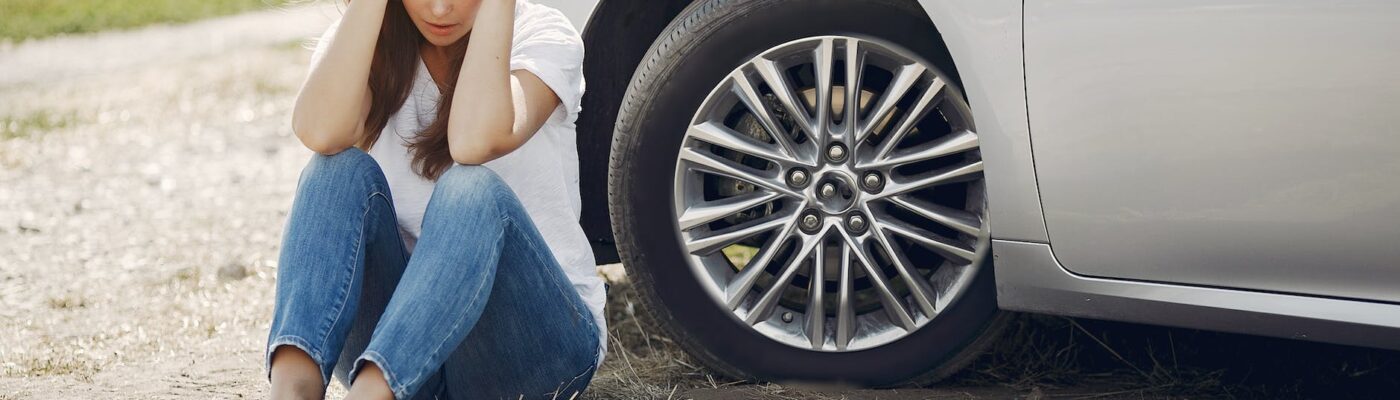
617,36
987,37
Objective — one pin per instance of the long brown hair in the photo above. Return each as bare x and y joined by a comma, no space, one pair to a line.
391,77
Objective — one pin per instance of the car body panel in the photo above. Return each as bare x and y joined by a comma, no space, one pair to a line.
1030,279
984,38
1241,144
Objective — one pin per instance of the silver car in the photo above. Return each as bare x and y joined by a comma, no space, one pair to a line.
853,190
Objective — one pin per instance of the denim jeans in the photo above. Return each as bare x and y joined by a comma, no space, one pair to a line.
480,310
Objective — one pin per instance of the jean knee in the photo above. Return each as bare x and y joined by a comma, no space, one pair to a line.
468,189
463,180
464,176
351,163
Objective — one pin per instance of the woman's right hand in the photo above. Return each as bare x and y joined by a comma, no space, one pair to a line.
331,108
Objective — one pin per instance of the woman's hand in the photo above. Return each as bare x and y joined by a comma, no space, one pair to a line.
331,108
495,111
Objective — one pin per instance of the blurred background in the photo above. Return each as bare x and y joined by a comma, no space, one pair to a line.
147,165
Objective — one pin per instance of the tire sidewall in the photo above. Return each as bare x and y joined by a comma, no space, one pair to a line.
696,66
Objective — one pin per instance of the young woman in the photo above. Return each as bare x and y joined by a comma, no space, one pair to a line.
433,248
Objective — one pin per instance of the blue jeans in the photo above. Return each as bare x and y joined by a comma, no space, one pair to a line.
481,310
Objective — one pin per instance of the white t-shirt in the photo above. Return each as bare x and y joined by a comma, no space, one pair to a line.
543,172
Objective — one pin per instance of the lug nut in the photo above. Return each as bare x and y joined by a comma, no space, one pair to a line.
856,223
873,181
810,221
797,178
828,190
787,316
836,153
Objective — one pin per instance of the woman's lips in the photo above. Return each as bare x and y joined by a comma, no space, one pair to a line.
441,30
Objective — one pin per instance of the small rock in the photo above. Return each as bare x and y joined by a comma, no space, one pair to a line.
1036,394
233,271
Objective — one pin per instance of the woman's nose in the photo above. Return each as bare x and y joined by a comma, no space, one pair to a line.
442,8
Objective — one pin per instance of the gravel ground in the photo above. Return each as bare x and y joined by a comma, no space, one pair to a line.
145,177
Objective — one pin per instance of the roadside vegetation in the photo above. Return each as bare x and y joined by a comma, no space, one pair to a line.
1038,357
29,19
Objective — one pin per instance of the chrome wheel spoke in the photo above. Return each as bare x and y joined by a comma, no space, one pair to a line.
893,306
903,81
708,162
764,307
954,143
822,60
741,284
718,134
930,240
718,240
956,173
924,296
845,311
960,220
926,102
816,303
855,63
710,211
754,102
768,70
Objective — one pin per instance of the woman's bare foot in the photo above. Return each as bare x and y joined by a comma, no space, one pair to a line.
370,384
295,376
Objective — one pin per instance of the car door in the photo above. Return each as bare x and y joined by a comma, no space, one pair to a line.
1251,144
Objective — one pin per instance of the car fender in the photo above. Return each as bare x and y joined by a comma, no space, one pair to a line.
984,38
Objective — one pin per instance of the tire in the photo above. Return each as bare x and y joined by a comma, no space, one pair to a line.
694,54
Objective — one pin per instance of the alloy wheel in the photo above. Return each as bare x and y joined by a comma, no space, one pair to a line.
829,193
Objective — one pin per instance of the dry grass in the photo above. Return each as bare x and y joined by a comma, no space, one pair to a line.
641,363
1132,360
1037,356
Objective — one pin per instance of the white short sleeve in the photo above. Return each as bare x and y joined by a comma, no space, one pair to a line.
547,45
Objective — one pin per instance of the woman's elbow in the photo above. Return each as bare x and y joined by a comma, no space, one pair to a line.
319,140
324,147
477,152
478,143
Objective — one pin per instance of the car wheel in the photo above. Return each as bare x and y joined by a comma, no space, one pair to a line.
781,227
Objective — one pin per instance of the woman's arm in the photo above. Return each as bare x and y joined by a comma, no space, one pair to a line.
332,106
494,111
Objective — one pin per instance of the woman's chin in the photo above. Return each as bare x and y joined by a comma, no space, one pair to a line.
443,41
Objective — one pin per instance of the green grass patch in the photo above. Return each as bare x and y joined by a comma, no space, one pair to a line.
739,254
29,19
34,123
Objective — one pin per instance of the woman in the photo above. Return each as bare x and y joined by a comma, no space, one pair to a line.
433,248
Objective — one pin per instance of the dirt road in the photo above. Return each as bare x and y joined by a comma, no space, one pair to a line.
144,176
